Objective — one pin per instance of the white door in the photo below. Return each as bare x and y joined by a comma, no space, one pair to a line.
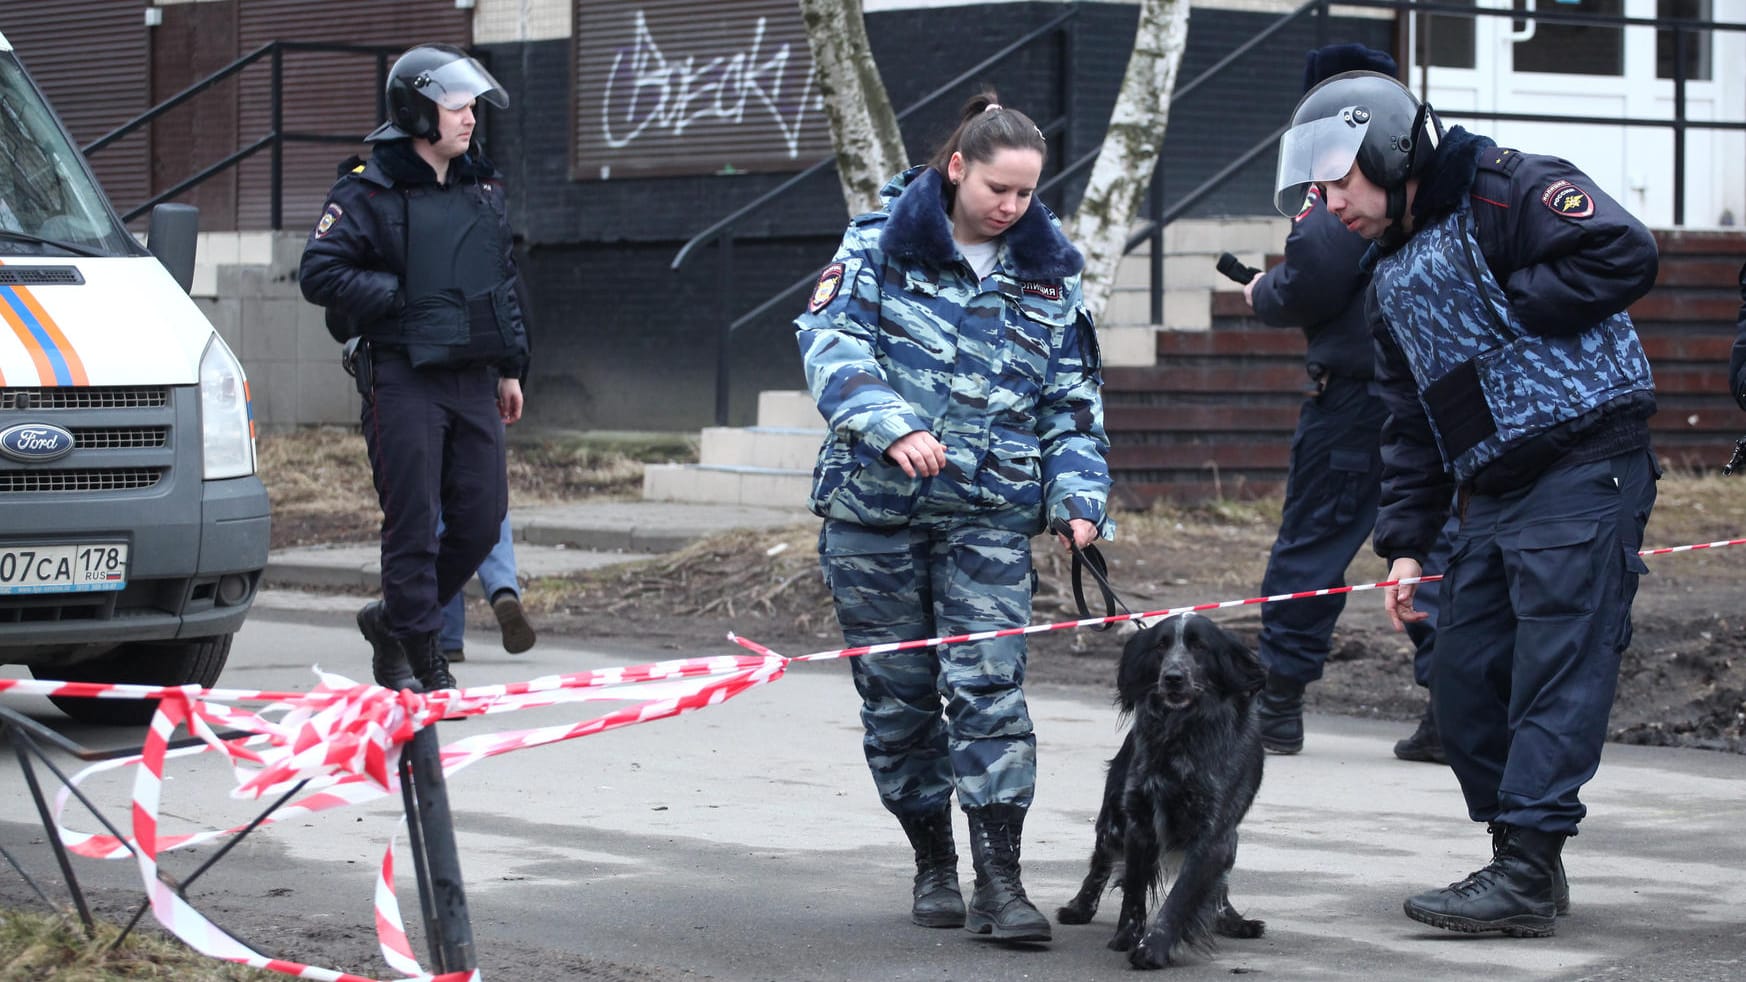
1533,66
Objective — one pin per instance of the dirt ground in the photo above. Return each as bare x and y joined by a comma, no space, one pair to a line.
1683,681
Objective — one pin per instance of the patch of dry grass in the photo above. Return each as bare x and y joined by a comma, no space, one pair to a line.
1697,507
318,478
54,948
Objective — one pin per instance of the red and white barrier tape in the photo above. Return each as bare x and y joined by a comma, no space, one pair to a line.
879,649
345,739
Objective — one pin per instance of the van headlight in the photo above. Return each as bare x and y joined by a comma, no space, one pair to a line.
227,437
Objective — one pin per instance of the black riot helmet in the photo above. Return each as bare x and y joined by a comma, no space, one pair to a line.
1365,118
433,75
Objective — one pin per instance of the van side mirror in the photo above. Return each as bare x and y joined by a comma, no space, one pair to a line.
171,236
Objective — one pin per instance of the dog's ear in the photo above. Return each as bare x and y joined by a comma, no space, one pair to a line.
1137,675
1239,669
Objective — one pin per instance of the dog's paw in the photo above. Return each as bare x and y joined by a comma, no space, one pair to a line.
1125,938
1149,955
1076,912
1240,927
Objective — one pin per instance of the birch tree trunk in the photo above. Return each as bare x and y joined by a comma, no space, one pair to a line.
863,124
1130,148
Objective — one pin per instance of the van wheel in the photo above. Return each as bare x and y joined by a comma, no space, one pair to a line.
196,661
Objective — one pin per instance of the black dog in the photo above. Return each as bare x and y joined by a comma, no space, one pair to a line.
1183,779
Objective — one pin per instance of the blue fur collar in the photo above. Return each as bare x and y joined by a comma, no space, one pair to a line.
918,229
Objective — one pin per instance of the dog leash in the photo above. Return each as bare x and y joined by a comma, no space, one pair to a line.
1089,558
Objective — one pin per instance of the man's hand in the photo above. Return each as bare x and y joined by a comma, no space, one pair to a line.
1249,292
918,453
1084,534
1398,599
509,399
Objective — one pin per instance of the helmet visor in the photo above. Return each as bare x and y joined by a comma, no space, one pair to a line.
458,83
1316,151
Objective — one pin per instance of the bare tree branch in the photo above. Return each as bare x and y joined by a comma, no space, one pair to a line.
1130,147
863,124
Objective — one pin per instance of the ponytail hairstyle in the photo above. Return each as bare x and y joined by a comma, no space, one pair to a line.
986,127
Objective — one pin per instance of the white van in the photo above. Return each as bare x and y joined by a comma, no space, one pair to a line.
133,530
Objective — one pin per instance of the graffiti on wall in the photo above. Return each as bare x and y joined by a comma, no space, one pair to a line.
673,96
645,90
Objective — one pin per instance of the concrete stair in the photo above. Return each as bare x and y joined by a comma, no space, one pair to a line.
766,465
1126,332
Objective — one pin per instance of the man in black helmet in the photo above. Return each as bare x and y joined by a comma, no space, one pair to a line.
412,258
1336,465
1515,383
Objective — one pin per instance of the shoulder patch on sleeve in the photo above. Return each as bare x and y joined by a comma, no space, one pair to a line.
829,282
328,219
1310,200
1567,200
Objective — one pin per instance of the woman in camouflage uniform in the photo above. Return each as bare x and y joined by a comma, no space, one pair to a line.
948,347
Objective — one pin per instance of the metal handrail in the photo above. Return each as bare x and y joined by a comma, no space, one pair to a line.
275,138
1054,181
722,231
1153,228
733,218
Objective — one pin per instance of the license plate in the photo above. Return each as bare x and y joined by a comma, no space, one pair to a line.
75,568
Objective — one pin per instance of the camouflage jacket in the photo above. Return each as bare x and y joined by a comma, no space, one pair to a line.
1487,383
900,336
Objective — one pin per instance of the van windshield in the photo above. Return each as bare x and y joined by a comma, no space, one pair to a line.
47,197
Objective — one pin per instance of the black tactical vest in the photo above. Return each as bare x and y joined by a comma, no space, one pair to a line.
458,310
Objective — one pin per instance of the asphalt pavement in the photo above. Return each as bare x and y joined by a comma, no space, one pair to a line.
744,841
550,540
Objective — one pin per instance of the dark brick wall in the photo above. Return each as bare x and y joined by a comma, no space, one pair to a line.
622,341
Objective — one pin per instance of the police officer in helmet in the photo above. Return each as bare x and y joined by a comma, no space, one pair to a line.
412,257
1335,476
1516,386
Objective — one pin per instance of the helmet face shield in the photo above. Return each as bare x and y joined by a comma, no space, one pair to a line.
1316,151
455,85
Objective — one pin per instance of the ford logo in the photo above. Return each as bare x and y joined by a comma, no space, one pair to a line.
35,443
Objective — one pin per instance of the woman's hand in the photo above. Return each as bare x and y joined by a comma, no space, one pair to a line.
918,453
1084,534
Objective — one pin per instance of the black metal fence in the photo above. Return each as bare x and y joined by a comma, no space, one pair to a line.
274,140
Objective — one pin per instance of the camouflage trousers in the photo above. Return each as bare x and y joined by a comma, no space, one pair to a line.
947,717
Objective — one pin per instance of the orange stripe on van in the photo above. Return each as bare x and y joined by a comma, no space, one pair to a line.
75,365
45,369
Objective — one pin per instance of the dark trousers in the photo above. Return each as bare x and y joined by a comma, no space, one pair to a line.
436,447
1331,494
1536,612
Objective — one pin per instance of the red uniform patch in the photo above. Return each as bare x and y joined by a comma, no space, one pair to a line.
328,218
1567,200
829,282
1309,203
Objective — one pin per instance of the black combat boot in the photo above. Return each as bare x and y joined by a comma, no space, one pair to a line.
1281,714
388,663
1426,744
428,663
998,906
1512,893
938,903
1560,883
